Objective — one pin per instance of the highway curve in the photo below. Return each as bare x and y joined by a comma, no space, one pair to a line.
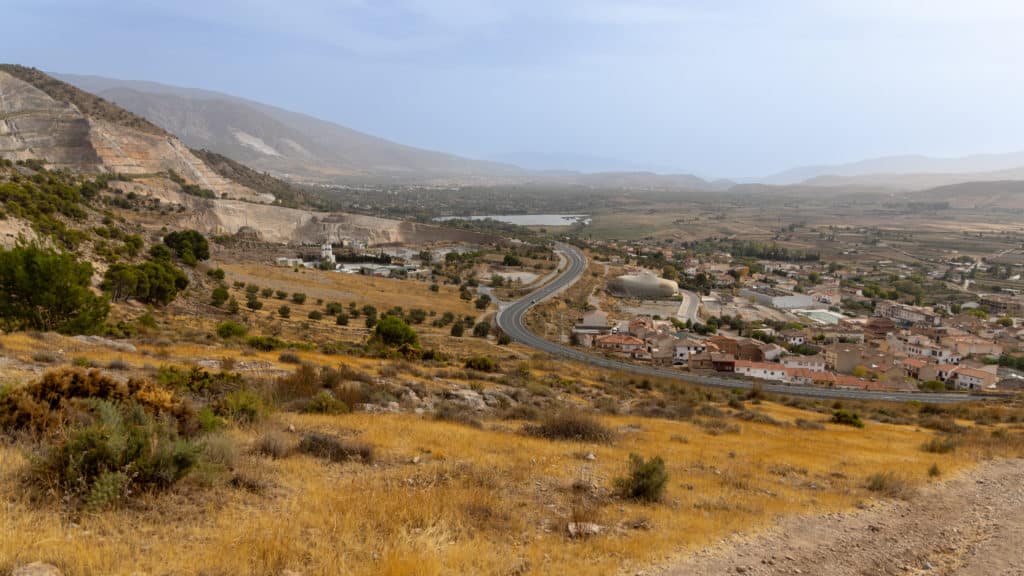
511,320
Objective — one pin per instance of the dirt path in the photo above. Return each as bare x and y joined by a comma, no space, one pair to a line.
970,525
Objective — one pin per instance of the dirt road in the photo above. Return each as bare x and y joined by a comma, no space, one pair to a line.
971,525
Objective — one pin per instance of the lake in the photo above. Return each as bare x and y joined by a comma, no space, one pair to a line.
526,219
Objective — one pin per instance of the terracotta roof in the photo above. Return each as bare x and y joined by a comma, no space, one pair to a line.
758,365
620,340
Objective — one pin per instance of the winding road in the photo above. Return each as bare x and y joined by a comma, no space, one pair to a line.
511,319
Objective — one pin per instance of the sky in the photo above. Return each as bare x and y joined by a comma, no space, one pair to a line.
719,88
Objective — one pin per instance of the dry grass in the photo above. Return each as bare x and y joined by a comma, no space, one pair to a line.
480,501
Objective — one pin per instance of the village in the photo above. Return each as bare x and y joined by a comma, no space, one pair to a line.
803,322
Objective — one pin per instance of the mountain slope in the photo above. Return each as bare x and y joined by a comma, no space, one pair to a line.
287,143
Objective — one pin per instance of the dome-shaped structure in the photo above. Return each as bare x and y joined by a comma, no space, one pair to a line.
645,285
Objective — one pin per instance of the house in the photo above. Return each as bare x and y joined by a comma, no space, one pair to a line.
794,337
723,362
939,372
805,377
621,343
662,349
906,314
972,346
972,379
762,370
701,361
684,348
920,346
1003,304
912,366
640,326
813,363
593,322
746,348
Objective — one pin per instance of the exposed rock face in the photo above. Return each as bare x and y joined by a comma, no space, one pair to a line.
33,125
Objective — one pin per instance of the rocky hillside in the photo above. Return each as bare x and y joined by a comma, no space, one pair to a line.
42,118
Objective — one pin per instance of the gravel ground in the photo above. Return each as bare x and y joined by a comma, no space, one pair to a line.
972,525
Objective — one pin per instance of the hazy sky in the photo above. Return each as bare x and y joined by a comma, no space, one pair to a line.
717,87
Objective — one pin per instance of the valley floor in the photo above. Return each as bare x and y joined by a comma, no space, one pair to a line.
970,525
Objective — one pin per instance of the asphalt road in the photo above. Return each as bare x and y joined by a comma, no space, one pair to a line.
511,320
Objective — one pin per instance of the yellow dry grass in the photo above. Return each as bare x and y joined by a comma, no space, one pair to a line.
332,286
489,501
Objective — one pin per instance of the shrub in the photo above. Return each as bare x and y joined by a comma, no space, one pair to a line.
315,315
646,481
482,330
284,312
481,363
335,449
229,329
266,343
298,298
888,484
289,358
276,445
44,357
940,445
570,424
393,331
334,308
324,402
504,339
243,406
457,330
122,447
216,273
809,424
233,305
118,364
219,296
45,405
267,292
847,418
717,426
933,471
342,319
188,245
83,362
451,412
43,290
253,303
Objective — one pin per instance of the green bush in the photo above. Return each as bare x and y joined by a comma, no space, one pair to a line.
153,282
940,445
342,319
481,363
646,481
315,315
266,343
284,312
122,449
325,403
393,331
457,330
43,290
188,245
482,329
229,329
298,298
847,418
334,308
219,296
242,406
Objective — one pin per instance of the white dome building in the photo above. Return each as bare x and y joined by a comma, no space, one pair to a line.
645,286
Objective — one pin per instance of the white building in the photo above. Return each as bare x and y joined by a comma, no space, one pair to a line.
781,299
327,252
812,363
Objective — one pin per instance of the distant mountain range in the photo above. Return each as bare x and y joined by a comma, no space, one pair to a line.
906,172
